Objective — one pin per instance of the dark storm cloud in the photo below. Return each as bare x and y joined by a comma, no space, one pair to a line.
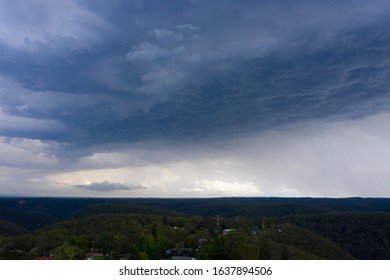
102,89
185,70
215,68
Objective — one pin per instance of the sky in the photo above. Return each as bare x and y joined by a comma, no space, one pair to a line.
193,98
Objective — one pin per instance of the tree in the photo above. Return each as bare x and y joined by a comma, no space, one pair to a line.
68,252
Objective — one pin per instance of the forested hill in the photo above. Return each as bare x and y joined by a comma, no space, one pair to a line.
214,228
58,208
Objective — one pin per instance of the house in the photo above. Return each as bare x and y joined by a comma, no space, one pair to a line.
227,231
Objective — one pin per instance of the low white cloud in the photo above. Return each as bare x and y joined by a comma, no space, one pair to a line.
221,188
156,179
109,187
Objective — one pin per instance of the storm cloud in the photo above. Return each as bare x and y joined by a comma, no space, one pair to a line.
194,98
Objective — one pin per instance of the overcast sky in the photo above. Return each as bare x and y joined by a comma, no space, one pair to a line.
195,98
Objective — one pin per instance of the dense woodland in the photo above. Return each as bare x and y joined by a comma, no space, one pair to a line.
218,228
